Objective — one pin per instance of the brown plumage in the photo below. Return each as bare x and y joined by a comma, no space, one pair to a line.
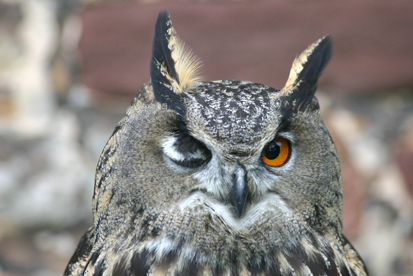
218,178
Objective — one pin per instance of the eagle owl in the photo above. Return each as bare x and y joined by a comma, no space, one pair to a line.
218,178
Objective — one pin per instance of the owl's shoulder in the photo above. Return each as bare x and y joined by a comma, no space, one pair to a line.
354,260
80,258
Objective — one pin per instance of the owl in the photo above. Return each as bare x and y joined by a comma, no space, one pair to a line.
218,178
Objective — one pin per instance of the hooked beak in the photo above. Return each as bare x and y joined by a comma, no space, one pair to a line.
239,191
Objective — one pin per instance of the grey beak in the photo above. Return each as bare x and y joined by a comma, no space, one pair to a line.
239,191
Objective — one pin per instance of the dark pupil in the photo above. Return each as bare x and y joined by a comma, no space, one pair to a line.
272,151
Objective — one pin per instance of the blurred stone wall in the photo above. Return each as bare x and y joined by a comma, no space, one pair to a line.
68,70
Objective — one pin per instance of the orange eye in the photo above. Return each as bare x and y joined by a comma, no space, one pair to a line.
276,152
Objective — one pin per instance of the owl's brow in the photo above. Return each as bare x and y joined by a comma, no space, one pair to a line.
285,123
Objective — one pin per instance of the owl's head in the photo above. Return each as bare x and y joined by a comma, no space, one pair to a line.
238,151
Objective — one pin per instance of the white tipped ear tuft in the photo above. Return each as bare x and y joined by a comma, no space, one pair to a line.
173,67
309,65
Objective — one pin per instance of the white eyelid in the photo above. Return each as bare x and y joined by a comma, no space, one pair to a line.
169,149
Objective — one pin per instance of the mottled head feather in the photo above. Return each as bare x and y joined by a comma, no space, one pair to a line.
174,68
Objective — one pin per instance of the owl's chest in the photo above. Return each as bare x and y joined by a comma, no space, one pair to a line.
201,239
204,237
292,260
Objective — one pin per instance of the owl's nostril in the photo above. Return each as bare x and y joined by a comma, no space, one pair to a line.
239,191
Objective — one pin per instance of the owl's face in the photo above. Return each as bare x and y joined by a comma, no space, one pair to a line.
237,148
242,156
235,129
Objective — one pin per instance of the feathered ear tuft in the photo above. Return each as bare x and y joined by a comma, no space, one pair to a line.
174,68
305,71
187,66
